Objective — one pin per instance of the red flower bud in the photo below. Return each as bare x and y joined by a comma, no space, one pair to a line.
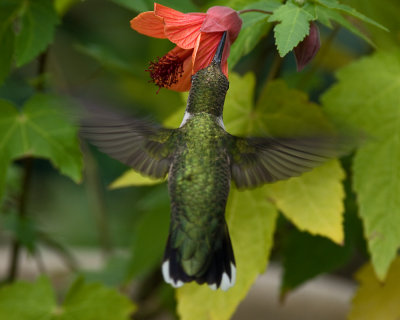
308,48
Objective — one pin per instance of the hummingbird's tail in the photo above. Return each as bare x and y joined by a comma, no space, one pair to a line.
218,271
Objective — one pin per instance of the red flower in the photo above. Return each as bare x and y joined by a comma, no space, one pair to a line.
196,36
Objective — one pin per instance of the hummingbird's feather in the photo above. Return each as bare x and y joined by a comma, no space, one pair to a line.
256,161
220,272
140,144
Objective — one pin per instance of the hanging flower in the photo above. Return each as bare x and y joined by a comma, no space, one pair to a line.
196,36
308,48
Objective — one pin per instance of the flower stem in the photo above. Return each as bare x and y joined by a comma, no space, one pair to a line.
254,10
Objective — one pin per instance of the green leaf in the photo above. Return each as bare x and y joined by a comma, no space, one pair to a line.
366,97
314,201
41,130
37,30
281,111
386,14
27,301
238,110
132,178
325,15
251,236
93,301
334,4
8,11
294,26
375,300
31,301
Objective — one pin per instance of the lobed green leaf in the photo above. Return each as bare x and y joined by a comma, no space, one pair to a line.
43,130
293,26
37,29
366,97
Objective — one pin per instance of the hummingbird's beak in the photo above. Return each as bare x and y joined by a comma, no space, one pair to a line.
218,54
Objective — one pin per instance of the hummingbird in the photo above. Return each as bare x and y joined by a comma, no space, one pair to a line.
201,159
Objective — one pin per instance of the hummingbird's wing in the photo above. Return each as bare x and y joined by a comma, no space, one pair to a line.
140,144
255,161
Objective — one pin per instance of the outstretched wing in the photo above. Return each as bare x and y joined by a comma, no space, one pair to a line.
140,144
255,161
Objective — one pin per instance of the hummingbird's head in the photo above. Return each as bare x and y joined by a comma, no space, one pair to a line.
209,86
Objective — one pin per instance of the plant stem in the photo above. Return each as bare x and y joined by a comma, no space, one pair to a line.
16,245
254,10
275,68
22,203
42,61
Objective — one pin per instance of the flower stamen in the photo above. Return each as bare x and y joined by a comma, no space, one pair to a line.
166,71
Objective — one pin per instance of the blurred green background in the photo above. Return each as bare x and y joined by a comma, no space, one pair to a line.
97,59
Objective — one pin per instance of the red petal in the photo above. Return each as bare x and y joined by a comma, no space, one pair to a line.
166,12
183,29
220,19
205,51
185,81
148,24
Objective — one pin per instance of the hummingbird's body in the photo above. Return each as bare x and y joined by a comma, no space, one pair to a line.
201,159
199,182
